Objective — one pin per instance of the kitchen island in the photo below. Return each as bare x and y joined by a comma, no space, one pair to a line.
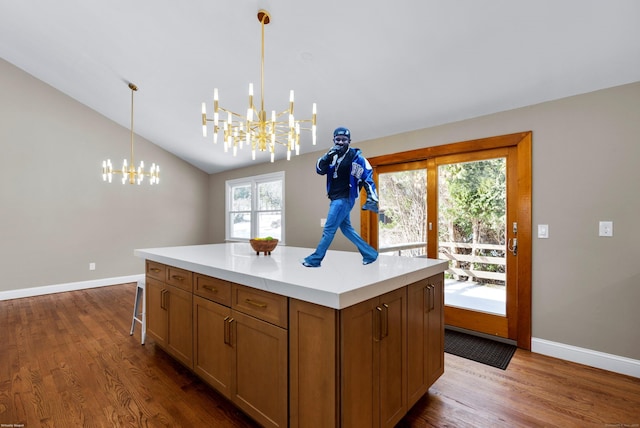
340,345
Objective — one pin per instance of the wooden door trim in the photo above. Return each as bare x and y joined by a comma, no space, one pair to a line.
522,143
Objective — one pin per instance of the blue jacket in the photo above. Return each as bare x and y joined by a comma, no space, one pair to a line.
361,173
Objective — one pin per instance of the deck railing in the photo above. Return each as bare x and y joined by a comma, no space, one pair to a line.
463,264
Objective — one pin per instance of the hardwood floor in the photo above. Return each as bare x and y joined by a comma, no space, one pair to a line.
67,360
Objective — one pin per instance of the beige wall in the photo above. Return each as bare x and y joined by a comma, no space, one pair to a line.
586,149
57,215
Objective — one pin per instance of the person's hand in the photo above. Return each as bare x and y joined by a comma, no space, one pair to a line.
335,150
371,205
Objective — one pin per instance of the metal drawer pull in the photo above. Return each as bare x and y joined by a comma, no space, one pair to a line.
210,288
227,333
163,299
432,297
178,277
377,321
156,270
385,321
256,303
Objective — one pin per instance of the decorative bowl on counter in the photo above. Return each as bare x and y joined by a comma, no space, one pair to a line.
263,245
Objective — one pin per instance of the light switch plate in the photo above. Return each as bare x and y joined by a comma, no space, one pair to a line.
605,228
543,231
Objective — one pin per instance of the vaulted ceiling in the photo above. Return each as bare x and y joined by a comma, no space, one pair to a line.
378,67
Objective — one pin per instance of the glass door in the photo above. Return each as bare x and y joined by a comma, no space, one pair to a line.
473,237
456,208
402,216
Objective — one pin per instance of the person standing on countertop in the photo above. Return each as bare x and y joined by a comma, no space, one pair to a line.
347,171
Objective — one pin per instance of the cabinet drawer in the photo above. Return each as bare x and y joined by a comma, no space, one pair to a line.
156,270
263,305
213,289
180,278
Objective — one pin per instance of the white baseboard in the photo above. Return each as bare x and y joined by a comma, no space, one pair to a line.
72,286
610,362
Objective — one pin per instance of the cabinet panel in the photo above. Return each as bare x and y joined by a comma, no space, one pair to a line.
373,361
359,363
393,368
313,370
425,332
212,355
436,330
156,314
179,343
261,382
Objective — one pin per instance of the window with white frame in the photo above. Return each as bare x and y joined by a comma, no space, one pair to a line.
255,207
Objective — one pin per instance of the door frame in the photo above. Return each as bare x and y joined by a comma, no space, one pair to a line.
520,143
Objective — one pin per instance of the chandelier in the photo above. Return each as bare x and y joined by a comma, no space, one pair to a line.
256,130
129,171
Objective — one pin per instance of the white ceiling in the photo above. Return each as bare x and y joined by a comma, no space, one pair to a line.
377,67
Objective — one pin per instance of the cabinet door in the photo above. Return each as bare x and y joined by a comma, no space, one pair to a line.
435,359
156,311
179,343
313,370
393,368
212,352
374,374
260,365
359,361
418,303
425,333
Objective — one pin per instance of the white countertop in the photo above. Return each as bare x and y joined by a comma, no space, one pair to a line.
341,281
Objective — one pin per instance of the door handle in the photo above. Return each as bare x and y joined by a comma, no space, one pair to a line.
377,321
512,246
228,331
432,297
385,321
163,299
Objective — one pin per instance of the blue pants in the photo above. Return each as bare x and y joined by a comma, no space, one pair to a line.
339,217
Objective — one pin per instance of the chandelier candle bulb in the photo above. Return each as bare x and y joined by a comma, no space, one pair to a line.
204,119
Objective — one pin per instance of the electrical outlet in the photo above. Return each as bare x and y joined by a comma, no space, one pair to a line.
92,266
605,228
323,221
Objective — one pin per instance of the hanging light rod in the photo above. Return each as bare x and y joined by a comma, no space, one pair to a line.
262,133
129,170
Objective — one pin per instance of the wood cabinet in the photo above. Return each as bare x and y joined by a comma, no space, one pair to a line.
368,363
425,338
287,362
169,311
240,351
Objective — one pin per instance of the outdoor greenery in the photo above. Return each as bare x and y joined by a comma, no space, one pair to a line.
471,205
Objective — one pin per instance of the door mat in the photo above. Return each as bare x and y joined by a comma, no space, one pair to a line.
485,351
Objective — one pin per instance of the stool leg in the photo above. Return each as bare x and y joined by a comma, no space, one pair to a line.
143,316
136,305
